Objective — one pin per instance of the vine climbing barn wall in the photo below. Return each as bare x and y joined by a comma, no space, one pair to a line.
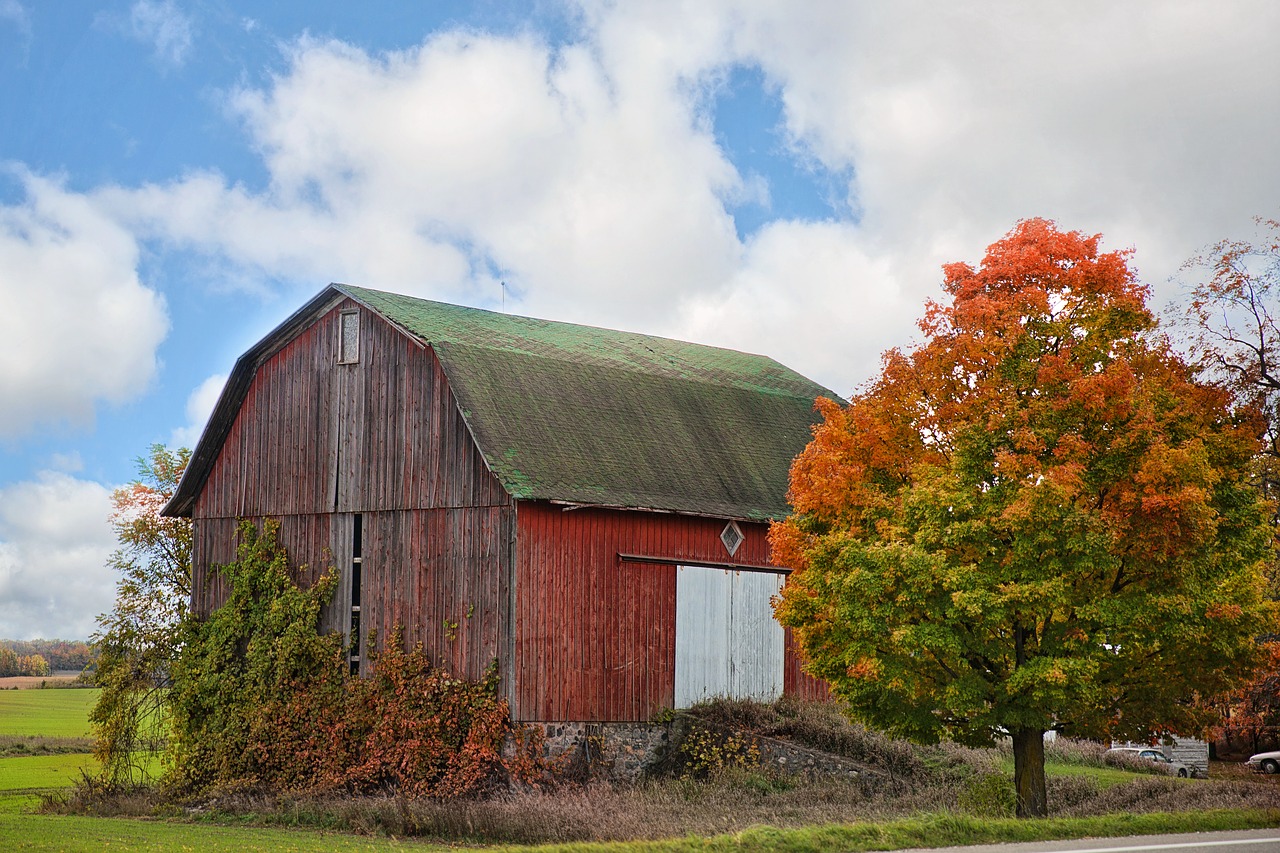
317,443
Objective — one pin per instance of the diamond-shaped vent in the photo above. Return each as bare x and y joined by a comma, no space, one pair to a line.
732,537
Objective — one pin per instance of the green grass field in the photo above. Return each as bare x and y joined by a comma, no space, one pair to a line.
22,780
52,713
92,834
61,713
1104,776
42,771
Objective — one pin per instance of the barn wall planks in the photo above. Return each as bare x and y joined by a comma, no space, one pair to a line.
317,442
795,681
595,637
438,576
315,436
441,578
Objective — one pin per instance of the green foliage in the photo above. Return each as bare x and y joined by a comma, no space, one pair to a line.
239,669
987,795
260,698
139,639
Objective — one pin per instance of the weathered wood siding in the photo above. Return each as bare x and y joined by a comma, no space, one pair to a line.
315,436
316,544
317,442
441,575
595,637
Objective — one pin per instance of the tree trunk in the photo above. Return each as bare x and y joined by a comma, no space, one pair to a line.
1028,773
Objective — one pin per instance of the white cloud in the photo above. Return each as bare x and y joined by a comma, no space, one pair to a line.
441,169
1151,122
54,543
200,405
78,326
812,297
588,176
163,26
68,463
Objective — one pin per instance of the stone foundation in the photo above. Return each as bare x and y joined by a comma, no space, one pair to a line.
619,752
623,752
792,758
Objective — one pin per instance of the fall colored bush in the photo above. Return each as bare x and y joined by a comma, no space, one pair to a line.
261,699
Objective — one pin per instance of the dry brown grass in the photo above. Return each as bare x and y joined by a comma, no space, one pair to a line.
14,746
730,802
30,682
913,780
821,725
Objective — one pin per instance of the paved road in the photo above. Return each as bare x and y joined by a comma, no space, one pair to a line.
1246,841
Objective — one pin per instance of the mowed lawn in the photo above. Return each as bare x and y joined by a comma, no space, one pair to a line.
1106,777
63,712
93,834
52,714
23,779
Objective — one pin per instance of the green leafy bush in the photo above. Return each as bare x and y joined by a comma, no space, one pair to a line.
987,795
240,669
261,699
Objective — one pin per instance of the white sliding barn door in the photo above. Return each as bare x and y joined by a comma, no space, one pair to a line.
727,642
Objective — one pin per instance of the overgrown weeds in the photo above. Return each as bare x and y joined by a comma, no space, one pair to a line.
731,801
822,726
16,746
720,788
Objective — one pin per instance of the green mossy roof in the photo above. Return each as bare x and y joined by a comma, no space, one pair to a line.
594,416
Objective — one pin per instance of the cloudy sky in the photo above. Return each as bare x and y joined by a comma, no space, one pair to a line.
780,177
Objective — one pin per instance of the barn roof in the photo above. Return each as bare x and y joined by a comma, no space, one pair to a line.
585,415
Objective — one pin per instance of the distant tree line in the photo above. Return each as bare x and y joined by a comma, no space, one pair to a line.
43,657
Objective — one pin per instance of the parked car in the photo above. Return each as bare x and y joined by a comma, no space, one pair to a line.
1149,753
1265,762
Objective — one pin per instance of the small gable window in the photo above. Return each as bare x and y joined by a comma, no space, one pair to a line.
349,337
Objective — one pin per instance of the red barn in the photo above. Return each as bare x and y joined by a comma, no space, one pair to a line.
587,507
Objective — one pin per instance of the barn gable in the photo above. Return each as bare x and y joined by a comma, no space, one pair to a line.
377,445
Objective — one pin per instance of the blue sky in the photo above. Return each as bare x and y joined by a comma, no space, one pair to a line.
177,177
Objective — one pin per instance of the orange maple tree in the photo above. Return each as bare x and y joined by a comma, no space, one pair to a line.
1037,519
